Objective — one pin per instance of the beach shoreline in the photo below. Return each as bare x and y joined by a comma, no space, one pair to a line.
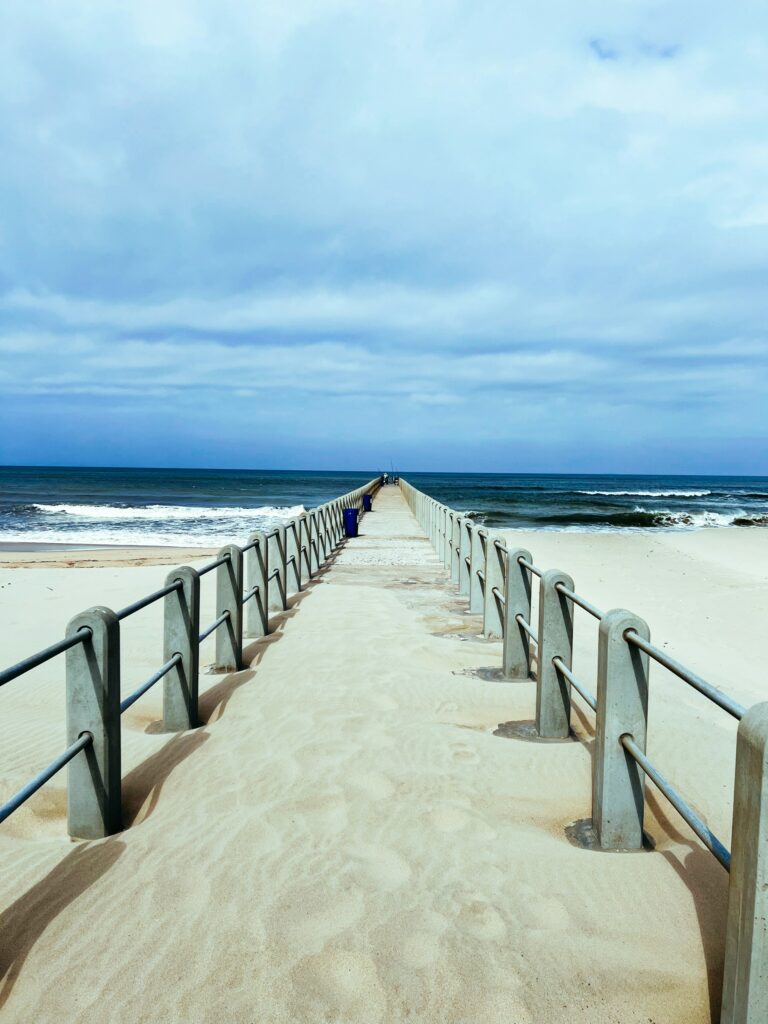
27,555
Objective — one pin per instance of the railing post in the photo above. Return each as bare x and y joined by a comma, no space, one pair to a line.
327,534
292,561
516,652
555,633
455,545
314,563
618,785
276,556
465,546
493,620
321,548
477,561
745,983
256,575
447,538
93,705
304,542
181,629
229,598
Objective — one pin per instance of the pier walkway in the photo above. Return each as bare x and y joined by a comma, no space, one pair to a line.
350,837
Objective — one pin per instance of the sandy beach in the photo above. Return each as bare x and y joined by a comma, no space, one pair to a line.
350,836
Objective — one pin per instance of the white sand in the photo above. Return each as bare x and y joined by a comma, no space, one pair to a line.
346,840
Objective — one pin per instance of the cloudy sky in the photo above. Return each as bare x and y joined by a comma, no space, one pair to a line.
334,233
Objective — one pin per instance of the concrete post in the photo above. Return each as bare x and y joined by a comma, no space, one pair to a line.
618,784
493,617
93,705
256,575
465,546
516,653
745,983
181,629
477,561
553,692
229,598
448,538
293,562
304,543
455,545
276,556
322,552
327,515
314,563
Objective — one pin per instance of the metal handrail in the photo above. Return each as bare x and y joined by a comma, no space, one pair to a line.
498,595
15,802
501,546
524,624
149,683
251,593
577,684
14,671
275,572
705,834
214,625
481,574
214,565
707,689
530,566
149,599
582,602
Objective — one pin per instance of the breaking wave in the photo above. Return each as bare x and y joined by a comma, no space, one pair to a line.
161,513
649,494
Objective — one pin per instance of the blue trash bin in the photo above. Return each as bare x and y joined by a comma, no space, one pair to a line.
366,503
350,522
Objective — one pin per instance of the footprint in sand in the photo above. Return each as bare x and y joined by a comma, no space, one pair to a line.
374,785
338,985
378,869
383,702
449,819
306,919
482,920
465,754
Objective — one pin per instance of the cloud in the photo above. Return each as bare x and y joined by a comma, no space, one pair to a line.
423,206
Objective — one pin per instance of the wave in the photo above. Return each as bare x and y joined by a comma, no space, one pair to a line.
163,513
650,494
638,518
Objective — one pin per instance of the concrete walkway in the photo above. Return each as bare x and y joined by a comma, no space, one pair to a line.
348,840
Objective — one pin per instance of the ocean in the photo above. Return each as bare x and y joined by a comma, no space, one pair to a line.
212,507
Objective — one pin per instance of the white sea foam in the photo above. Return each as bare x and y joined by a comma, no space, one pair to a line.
147,525
650,494
691,520
163,513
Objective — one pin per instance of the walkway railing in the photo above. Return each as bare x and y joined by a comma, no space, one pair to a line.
271,567
497,579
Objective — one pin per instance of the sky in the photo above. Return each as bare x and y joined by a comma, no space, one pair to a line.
446,235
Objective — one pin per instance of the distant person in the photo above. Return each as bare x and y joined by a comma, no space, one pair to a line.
386,479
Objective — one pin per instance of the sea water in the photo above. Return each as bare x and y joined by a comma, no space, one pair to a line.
212,507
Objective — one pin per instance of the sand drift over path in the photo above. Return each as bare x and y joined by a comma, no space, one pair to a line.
351,836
